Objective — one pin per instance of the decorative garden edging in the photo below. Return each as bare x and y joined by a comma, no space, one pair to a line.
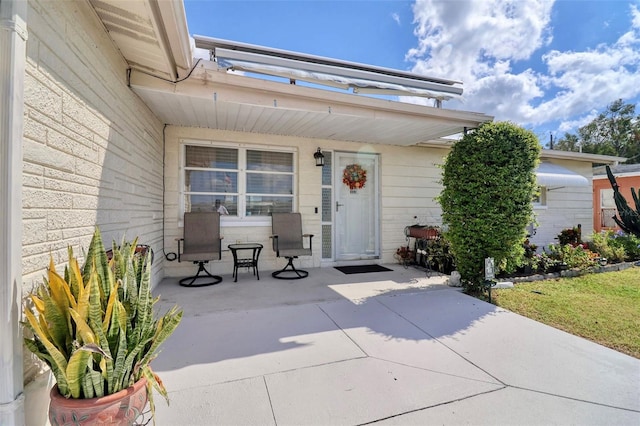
574,272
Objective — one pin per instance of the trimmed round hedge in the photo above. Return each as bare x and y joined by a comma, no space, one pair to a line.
489,182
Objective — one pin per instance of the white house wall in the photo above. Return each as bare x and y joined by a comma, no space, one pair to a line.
409,183
566,207
92,149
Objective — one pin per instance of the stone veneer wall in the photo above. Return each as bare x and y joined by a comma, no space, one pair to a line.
93,151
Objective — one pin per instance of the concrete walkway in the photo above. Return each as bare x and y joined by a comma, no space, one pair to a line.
390,348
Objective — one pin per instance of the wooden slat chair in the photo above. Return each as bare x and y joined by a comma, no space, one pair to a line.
201,243
288,242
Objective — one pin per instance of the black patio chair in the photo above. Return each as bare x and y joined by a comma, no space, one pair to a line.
201,243
288,242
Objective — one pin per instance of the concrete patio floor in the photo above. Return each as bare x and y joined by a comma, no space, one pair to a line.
388,348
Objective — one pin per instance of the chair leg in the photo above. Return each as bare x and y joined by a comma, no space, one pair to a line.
191,281
299,273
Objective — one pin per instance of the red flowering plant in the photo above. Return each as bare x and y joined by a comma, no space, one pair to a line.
354,176
404,252
404,255
571,236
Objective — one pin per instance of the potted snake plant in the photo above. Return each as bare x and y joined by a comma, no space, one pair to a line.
96,328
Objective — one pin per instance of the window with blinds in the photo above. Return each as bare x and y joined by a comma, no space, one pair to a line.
238,182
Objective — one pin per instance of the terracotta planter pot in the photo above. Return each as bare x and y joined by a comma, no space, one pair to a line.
121,408
424,232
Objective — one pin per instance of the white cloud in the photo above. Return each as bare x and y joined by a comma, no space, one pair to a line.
571,125
451,32
635,17
479,42
396,18
590,79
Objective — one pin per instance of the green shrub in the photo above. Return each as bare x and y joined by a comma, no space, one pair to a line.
629,242
546,263
603,243
489,182
529,263
574,257
439,255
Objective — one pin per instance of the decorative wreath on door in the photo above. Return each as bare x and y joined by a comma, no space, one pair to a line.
354,176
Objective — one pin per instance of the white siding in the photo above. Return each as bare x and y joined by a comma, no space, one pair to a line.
411,180
566,208
92,150
409,183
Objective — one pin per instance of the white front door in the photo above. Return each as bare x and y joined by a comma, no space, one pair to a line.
357,206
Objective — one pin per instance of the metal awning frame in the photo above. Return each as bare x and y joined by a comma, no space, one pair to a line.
362,78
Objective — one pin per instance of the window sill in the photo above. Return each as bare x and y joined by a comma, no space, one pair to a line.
239,223
244,222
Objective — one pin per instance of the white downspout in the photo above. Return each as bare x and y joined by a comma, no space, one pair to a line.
13,40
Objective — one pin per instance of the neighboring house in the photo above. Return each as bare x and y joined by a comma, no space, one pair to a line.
565,194
604,207
106,119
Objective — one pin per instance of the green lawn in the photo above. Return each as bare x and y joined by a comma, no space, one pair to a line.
604,308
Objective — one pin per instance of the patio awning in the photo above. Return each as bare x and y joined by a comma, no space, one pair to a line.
359,85
362,78
549,174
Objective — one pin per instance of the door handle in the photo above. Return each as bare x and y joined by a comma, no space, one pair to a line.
338,205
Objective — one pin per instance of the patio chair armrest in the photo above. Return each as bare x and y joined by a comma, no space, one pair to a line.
274,237
180,242
310,236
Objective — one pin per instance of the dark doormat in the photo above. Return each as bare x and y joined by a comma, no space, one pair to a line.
361,269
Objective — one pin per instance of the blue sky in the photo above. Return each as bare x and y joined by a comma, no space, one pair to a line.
550,66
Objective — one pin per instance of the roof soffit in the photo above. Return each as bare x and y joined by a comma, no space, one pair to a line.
211,98
581,156
152,35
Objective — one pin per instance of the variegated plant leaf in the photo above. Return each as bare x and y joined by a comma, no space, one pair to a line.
76,370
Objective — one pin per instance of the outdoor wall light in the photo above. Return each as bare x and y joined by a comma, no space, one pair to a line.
319,156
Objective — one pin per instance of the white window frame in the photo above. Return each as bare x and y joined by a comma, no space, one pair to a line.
606,199
541,203
241,219
607,202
